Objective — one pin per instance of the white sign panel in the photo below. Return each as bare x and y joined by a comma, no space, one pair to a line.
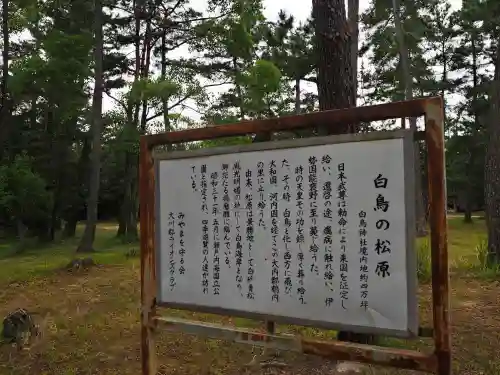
316,232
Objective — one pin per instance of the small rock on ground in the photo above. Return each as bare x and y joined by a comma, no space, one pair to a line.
349,368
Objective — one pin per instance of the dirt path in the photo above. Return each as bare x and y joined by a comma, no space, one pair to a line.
92,327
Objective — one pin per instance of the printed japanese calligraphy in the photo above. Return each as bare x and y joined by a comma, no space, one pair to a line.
316,232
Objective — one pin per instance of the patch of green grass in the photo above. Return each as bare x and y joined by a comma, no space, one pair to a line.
321,334
468,248
463,239
465,243
45,258
424,270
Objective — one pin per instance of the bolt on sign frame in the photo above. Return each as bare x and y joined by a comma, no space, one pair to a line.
437,362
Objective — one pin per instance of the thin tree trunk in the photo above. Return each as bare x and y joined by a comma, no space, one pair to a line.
56,205
60,165
71,219
130,208
468,212
492,168
87,241
404,56
473,142
146,61
166,117
297,96
69,230
130,204
444,80
138,10
125,225
128,220
467,204
237,85
22,231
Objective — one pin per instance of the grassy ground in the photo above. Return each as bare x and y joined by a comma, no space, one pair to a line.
92,318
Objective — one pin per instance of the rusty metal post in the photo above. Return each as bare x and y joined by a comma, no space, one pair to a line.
148,266
434,130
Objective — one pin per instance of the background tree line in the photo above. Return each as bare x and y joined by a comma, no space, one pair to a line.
65,160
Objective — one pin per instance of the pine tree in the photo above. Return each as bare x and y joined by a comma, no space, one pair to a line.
292,49
396,31
86,243
469,56
491,10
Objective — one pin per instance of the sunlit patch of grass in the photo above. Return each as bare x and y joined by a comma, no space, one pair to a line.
463,239
468,249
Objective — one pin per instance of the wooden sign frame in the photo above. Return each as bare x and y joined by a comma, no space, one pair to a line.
437,362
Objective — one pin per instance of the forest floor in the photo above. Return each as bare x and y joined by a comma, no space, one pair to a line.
91,318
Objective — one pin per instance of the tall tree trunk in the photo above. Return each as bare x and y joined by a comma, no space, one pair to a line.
473,142
468,211
71,219
128,221
335,87
335,79
130,204
467,204
353,15
87,241
469,188
444,79
138,11
404,61
492,168
166,117
60,157
22,231
127,227
56,209
146,61
237,85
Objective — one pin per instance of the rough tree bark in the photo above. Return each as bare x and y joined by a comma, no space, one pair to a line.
335,80
353,16
404,62
492,168
335,87
87,241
